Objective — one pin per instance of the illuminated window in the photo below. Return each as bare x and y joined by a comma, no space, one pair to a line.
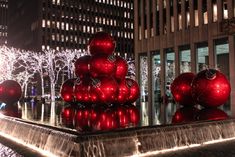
43,47
43,23
48,23
53,36
62,38
58,25
67,26
48,47
62,25
215,13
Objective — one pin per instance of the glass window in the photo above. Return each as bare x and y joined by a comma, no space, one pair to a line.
222,62
202,58
156,87
144,90
185,61
169,77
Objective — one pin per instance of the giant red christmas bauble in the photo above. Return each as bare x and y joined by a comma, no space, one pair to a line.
81,90
123,116
82,66
134,90
185,115
68,115
106,120
102,65
82,119
212,114
122,68
134,114
66,90
181,89
10,91
101,43
105,88
210,88
123,92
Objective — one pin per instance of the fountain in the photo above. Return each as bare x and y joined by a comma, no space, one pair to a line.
55,141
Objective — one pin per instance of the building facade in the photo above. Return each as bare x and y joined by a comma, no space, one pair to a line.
69,24
176,36
3,21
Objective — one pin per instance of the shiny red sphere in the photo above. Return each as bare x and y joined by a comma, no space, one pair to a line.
210,88
122,68
181,89
82,66
10,91
134,90
212,114
134,114
66,90
107,120
68,114
123,116
101,43
185,115
83,118
81,90
105,88
102,65
123,92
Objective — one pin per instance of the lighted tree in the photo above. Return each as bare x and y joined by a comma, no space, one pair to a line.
54,64
39,64
8,59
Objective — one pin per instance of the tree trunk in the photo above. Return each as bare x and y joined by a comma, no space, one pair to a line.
42,86
52,92
25,89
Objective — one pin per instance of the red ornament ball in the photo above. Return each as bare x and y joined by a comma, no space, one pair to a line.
122,68
134,114
102,65
123,92
82,66
105,88
134,90
82,90
66,90
10,92
212,114
101,43
181,89
185,115
210,88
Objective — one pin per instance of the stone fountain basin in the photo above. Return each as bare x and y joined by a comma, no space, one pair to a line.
126,142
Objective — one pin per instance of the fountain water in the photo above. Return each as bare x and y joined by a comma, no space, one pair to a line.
128,142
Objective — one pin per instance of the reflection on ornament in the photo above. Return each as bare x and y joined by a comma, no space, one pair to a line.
134,114
68,114
181,89
212,114
210,88
185,114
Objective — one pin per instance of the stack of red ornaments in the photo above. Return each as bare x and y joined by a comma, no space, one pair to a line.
101,89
